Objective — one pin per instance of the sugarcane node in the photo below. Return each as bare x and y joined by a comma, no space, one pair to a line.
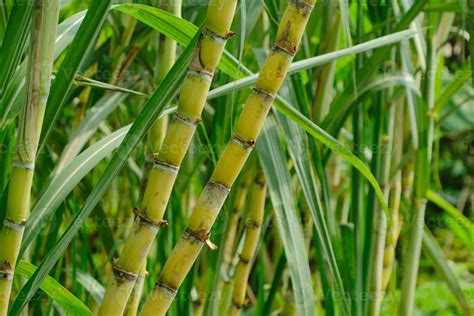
18,164
142,219
201,236
143,276
248,145
217,37
122,275
200,72
252,224
219,186
237,305
163,286
244,260
164,166
266,95
190,121
285,48
6,271
303,7
15,226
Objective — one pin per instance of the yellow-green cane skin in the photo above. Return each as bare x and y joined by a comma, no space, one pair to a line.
162,177
44,24
252,235
233,158
392,234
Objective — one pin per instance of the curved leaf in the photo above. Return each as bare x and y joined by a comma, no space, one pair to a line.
68,302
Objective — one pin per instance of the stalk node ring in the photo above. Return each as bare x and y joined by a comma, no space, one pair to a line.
6,271
302,5
193,71
19,227
122,275
248,145
217,37
165,167
268,96
186,120
202,237
253,224
142,219
170,290
17,164
285,48
237,305
244,260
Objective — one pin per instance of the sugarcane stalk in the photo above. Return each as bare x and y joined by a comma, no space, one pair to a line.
234,156
43,36
395,199
149,218
156,136
381,220
425,122
239,205
252,234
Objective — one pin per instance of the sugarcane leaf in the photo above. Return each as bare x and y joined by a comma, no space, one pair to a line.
340,107
273,161
14,40
14,96
440,262
165,92
466,225
66,181
323,137
70,304
317,61
297,145
91,285
87,128
79,49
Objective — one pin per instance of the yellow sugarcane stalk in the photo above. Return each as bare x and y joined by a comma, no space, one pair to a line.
226,287
43,36
233,158
149,218
156,136
252,235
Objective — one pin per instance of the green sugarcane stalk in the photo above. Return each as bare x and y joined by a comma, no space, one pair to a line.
394,199
425,121
236,153
252,235
43,37
149,218
156,136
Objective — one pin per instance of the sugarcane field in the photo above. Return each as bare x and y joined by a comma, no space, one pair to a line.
236,157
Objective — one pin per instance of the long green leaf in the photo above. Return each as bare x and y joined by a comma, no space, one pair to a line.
70,304
75,57
14,96
439,260
274,163
66,181
14,41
